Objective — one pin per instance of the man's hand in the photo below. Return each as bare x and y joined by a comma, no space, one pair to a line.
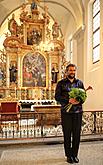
73,101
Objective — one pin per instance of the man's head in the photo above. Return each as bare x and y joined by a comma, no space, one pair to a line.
70,71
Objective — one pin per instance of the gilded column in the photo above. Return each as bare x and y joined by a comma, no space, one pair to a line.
19,72
49,76
7,75
25,33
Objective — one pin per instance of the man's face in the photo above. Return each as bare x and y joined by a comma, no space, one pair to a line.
71,72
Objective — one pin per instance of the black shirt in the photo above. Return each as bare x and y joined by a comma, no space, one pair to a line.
62,93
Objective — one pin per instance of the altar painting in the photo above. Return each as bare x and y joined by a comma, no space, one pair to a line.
34,70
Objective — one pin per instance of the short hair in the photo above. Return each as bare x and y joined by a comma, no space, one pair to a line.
70,65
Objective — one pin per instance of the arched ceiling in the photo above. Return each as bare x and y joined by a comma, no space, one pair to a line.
59,9
68,13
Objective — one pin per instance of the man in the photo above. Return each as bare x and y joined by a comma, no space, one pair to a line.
71,121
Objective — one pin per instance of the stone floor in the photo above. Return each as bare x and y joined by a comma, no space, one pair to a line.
90,153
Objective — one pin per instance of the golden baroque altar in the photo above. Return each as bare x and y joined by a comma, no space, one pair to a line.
33,55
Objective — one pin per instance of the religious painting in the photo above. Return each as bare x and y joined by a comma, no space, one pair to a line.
34,70
34,36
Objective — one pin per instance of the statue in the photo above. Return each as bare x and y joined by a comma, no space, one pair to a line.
33,6
55,30
54,75
23,13
1,77
12,25
13,73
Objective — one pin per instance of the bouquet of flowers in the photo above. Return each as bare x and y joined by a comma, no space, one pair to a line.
78,94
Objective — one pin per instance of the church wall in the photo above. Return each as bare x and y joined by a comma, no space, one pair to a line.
70,29
78,53
75,32
92,72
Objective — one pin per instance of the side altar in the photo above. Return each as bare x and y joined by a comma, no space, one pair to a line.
33,57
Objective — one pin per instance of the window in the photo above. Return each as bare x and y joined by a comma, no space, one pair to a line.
96,31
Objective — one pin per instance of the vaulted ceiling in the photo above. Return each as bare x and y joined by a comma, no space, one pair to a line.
66,12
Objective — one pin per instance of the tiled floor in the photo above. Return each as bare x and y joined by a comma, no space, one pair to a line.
90,153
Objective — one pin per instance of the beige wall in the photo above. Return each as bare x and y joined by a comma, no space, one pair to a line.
78,52
93,72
